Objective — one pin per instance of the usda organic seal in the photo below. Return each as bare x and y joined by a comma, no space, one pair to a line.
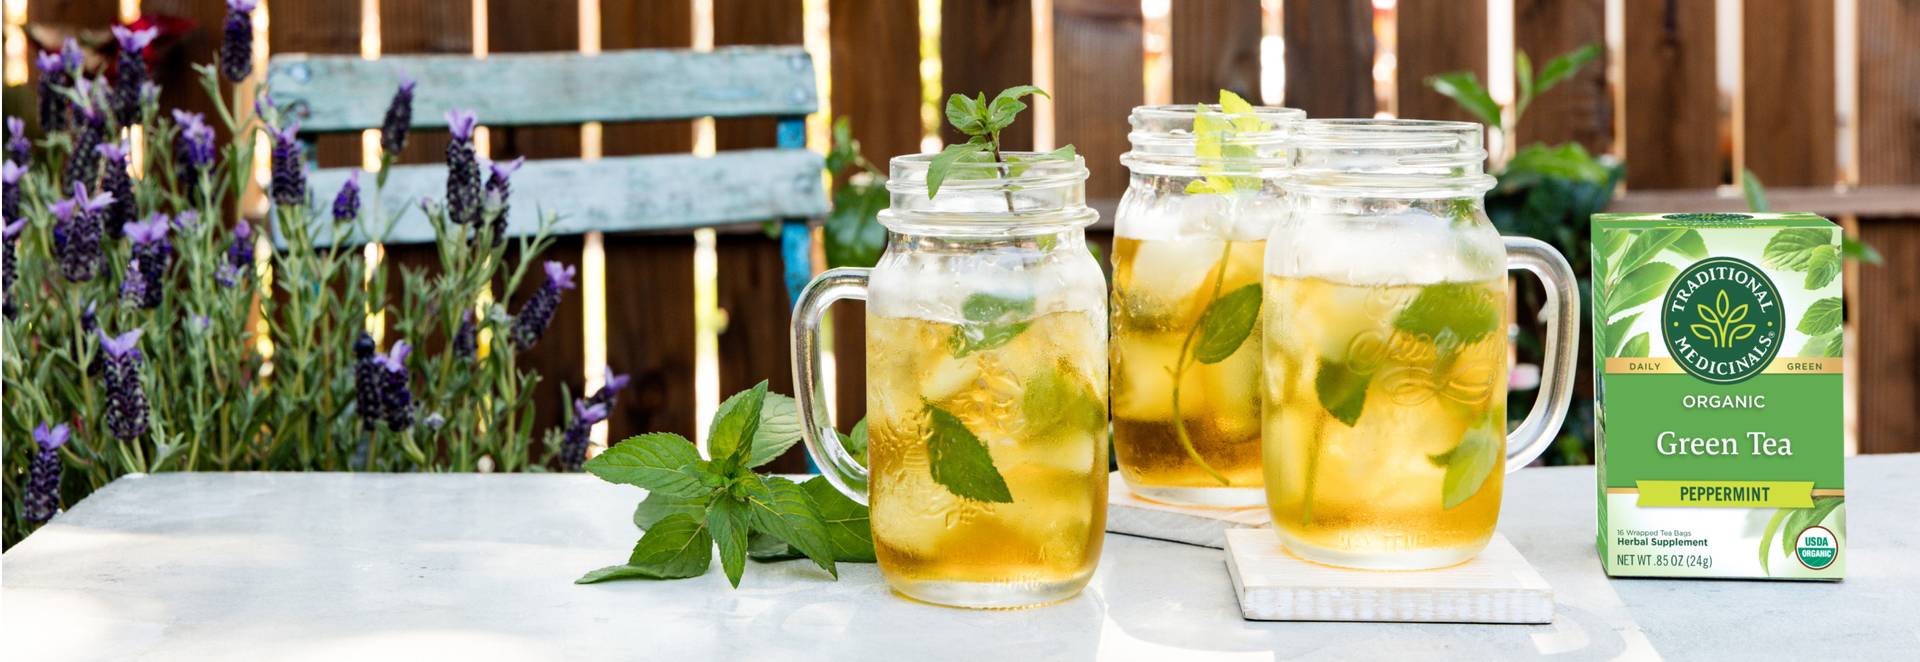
1722,320
1816,548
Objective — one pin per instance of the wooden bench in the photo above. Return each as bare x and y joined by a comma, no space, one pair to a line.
333,94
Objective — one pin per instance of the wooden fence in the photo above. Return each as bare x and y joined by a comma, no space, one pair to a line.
1831,130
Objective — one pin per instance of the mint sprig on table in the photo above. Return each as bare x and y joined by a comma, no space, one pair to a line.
695,504
1228,319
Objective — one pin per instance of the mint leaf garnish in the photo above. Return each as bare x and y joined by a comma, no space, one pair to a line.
778,431
730,438
1466,309
992,321
727,522
960,461
1469,463
848,530
1061,398
1341,391
1226,323
676,547
982,121
652,461
1223,159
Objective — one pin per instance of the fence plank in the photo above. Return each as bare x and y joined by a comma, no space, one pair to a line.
752,283
315,26
1672,127
650,327
519,26
1436,37
1330,57
1097,73
1580,109
986,46
876,57
1889,111
1787,91
1215,45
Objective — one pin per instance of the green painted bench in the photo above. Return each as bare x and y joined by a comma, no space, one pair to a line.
654,193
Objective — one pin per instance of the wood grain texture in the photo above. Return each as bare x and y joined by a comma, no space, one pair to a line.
1330,57
1097,72
752,285
1498,586
630,24
1580,109
423,26
1214,45
307,26
533,26
1889,332
629,193
349,93
1787,91
1672,104
987,46
1131,515
650,333
1436,37
876,55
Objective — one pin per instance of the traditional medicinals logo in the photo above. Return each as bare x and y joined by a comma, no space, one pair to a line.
1722,320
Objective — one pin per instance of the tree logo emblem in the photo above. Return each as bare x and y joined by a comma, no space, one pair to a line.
1722,320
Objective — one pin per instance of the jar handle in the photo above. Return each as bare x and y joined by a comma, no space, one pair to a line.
845,472
1539,429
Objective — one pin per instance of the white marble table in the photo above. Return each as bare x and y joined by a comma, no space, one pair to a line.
330,566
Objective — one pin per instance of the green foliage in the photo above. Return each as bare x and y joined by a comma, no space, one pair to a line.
1470,462
695,504
854,236
1226,323
220,399
1851,247
982,121
992,321
960,461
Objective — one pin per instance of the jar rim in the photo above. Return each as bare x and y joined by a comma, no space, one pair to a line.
908,173
1047,195
1163,141
1388,157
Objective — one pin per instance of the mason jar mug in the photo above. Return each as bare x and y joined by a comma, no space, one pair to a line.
1386,347
1189,237
986,469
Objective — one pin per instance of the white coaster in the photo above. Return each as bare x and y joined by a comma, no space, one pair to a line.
1498,586
1129,514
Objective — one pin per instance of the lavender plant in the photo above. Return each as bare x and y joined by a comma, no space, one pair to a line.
187,343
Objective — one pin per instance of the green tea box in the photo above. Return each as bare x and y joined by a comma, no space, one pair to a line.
1718,378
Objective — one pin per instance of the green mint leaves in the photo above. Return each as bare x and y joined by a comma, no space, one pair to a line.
993,320
694,505
1463,310
1469,463
1226,323
1630,277
1061,399
981,121
960,461
1342,390
1223,165
1821,323
854,236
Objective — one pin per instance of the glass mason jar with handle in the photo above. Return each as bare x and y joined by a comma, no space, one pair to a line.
1189,237
986,469
1386,347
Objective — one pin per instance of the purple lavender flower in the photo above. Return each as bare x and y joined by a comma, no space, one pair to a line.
236,40
538,311
56,71
346,205
497,191
289,175
116,182
463,170
145,279
89,131
19,149
367,381
466,339
187,220
239,256
8,236
393,130
90,319
10,195
193,150
130,75
43,482
573,447
396,399
76,233
126,398
609,394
